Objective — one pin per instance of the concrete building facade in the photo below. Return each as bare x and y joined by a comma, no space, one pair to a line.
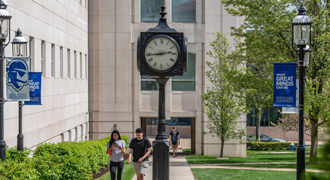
119,98
56,31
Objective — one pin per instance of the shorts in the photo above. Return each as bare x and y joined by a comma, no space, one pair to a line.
174,146
141,168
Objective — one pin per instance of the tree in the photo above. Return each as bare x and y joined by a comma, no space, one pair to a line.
222,104
266,39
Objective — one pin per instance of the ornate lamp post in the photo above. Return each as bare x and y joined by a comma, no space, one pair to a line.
162,54
4,31
301,34
19,49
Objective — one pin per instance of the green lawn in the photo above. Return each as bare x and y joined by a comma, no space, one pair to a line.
229,174
293,166
128,173
252,157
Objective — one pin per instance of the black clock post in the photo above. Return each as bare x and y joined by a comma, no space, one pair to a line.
161,54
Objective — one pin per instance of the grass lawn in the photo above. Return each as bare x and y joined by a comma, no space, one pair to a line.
128,173
229,174
293,166
252,157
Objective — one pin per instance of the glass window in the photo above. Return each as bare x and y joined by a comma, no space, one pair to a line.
187,82
68,63
184,10
52,61
148,83
43,58
31,50
270,114
86,67
61,62
150,10
81,65
75,64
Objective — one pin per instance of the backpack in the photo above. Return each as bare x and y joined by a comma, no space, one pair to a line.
175,138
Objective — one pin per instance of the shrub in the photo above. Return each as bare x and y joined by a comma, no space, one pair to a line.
12,169
62,161
269,145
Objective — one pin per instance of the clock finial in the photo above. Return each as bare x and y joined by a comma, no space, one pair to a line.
163,13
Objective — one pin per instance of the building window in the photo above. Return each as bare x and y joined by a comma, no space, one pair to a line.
68,63
43,58
61,62
86,67
52,61
81,66
184,11
187,82
31,54
148,83
269,116
150,10
182,121
75,64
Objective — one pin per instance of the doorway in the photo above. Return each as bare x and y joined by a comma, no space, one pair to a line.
186,126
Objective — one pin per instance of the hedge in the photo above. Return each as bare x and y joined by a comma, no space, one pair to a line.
269,145
61,161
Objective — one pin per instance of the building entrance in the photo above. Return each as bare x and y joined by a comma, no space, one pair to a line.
186,126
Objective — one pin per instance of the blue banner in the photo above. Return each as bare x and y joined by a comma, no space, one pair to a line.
285,84
35,89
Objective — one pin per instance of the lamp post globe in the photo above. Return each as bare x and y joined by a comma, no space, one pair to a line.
301,27
4,31
301,35
4,21
19,44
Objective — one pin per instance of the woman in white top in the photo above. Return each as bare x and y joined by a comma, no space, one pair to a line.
117,147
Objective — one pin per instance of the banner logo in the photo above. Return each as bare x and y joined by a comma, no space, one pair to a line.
17,74
285,85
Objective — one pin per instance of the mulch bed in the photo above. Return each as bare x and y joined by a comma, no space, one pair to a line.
107,169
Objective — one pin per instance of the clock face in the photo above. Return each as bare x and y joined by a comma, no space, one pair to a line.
161,53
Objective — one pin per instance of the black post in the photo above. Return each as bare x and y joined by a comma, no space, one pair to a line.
160,167
301,146
2,103
20,135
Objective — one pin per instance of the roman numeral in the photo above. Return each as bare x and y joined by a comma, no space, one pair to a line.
150,47
167,43
161,66
150,60
173,53
155,42
172,60
155,64
172,47
161,41
168,65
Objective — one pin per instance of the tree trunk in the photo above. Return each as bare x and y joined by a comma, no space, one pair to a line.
314,142
258,128
222,145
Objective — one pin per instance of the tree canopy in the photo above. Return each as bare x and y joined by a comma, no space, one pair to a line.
265,38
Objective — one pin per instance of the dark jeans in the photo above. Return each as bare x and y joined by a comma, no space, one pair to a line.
113,166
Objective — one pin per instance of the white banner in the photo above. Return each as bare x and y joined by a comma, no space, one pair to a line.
293,110
17,78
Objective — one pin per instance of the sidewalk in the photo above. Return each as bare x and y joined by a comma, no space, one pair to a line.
179,169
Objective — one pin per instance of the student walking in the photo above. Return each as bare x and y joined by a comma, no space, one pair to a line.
116,148
175,140
140,149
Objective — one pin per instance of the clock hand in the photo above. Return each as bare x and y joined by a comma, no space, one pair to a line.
150,54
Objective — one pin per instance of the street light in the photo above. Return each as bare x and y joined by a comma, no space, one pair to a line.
301,35
19,49
4,31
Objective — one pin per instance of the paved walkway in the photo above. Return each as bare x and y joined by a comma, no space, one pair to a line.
179,169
